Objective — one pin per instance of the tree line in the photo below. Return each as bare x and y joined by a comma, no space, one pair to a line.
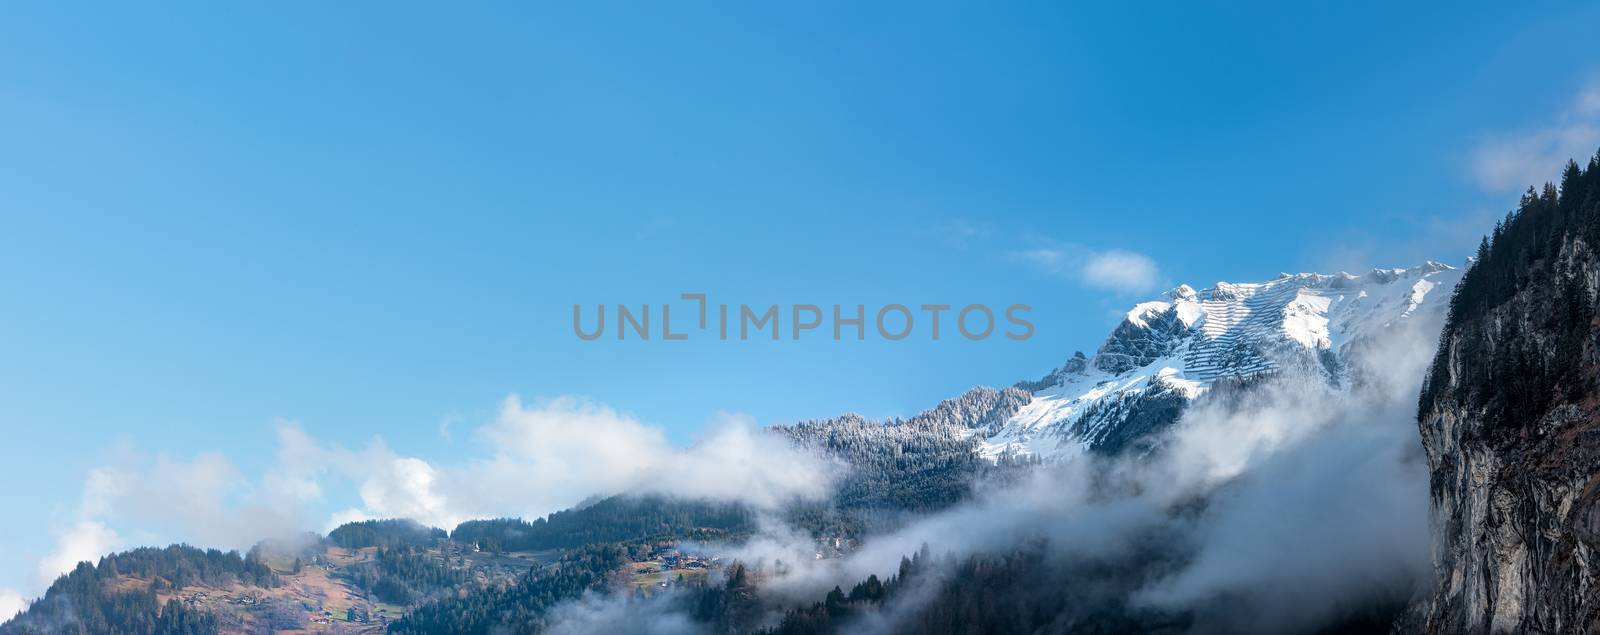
1513,368
89,599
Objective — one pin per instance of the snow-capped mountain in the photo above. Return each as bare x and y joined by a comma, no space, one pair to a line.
1166,353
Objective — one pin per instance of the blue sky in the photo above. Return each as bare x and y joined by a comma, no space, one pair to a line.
374,223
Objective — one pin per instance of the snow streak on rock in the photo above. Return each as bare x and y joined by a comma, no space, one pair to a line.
1168,352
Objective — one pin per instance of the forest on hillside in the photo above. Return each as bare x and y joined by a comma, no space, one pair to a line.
1512,378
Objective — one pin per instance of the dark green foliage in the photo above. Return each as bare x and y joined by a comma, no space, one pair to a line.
1026,590
614,519
900,467
837,610
405,575
385,533
520,607
895,468
181,565
891,469
1506,365
87,600
176,619
730,607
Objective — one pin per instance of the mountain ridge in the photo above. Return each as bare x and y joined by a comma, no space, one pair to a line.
1166,353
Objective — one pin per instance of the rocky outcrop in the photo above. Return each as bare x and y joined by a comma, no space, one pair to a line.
1152,331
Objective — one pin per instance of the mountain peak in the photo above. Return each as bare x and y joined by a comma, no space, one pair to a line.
1166,352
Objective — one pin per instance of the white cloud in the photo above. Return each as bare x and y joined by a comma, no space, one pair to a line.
1354,492
537,458
205,500
11,603
655,614
139,499
567,439
1120,271
1289,465
407,487
84,542
738,462
1514,161
1116,270
553,453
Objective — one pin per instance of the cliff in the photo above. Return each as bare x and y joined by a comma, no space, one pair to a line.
1510,421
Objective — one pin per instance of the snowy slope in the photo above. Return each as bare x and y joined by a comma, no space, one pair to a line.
1167,352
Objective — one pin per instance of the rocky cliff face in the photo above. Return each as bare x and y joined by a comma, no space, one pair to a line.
1510,420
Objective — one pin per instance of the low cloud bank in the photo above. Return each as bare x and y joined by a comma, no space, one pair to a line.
1282,508
537,458
1331,525
659,614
